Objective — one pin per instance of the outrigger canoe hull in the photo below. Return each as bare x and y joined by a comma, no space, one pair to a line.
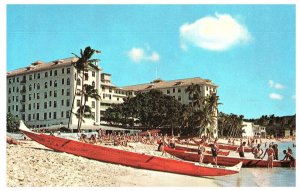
224,160
136,160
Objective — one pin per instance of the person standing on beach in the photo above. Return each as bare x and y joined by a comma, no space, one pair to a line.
271,154
241,149
201,150
275,148
214,152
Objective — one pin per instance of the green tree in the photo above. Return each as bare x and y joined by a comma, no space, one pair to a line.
12,123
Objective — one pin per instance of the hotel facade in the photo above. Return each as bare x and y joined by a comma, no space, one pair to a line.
42,93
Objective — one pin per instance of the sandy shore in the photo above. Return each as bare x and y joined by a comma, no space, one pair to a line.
33,165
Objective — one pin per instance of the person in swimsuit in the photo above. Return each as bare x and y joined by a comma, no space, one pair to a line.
271,154
257,152
275,148
201,150
289,156
241,149
214,152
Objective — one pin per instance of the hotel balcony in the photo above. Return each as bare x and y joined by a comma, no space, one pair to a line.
23,81
23,91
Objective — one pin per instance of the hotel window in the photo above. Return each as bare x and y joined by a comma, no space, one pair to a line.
17,107
93,84
179,98
168,91
9,91
68,102
13,107
50,93
37,116
38,76
86,76
179,90
45,85
30,77
173,90
9,81
50,72
8,109
17,79
45,95
9,100
23,117
93,73
62,114
62,70
37,105
29,97
68,81
55,93
62,102
49,115
67,114
33,116
38,86
55,72
78,82
68,92
17,98
54,115
50,83
54,104
17,90
55,83
46,74
110,90
29,107
29,117
14,98
30,87
50,103
45,115
13,89
68,70
78,103
45,105
63,81
62,91
93,104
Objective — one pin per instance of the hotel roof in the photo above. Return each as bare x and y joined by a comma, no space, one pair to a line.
160,84
40,66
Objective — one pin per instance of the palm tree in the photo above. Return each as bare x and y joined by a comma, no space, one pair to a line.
194,92
88,91
82,65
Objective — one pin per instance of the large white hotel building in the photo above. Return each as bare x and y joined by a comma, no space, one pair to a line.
42,93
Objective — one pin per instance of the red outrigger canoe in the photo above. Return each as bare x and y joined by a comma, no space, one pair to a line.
127,158
224,146
191,149
227,161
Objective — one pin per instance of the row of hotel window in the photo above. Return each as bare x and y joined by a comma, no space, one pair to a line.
37,86
46,116
46,105
38,75
37,95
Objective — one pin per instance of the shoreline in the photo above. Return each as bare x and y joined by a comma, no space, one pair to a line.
31,164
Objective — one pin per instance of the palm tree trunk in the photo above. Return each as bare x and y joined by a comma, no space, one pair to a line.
81,100
73,102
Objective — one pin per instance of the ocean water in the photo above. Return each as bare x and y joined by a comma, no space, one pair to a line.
263,177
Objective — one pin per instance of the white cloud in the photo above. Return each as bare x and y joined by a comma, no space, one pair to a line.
219,32
276,96
138,54
275,85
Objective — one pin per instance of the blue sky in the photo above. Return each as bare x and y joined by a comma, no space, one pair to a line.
247,50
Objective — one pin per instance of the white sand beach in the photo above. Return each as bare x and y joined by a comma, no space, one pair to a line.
33,165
